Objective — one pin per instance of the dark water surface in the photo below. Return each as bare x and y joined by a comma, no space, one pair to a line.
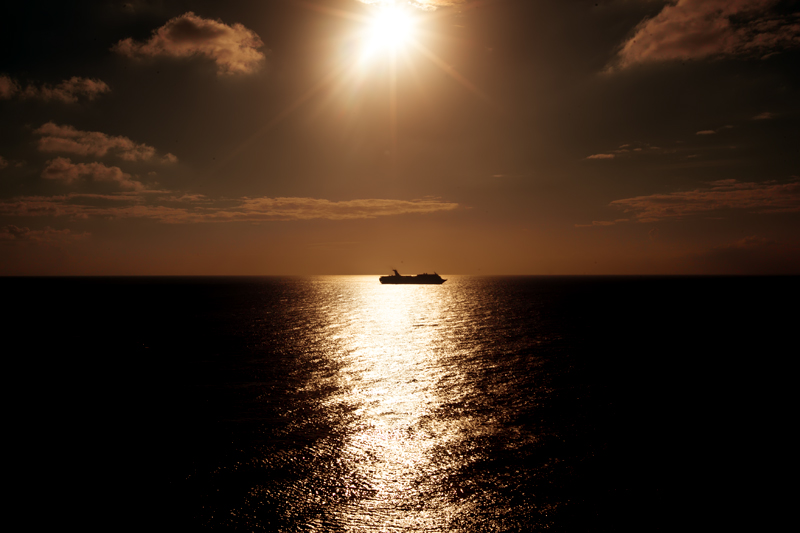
339,404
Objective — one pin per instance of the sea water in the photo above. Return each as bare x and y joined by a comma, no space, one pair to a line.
335,403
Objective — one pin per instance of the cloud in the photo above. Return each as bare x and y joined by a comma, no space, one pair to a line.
601,223
427,5
8,87
766,115
749,242
235,49
764,197
64,169
198,208
697,29
68,91
712,132
67,139
191,198
746,256
48,235
310,208
3,162
601,156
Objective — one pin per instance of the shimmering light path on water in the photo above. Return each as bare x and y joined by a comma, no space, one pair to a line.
416,409
403,356
339,404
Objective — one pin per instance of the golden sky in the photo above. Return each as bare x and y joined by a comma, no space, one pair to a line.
350,137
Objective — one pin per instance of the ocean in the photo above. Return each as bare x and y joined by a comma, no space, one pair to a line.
334,403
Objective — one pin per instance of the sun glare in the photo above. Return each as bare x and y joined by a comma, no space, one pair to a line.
389,29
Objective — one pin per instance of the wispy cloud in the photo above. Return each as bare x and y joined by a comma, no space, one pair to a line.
627,150
67,139
65,170
763,197
679,151
421,4
8,87
68,91
749,242
48,235
712,132
310,208
696,29
766,115
750,255
3,162
198,208
234,48
601,223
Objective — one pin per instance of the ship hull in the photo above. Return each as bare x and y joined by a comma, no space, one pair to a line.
409,280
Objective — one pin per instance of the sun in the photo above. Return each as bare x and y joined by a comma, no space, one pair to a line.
388,30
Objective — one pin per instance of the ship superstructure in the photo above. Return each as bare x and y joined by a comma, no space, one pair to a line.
419,279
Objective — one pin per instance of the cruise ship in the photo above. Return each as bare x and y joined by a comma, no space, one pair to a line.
419,279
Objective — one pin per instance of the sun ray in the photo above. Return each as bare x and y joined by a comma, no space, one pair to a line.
285,112
388,32
393,113
453,73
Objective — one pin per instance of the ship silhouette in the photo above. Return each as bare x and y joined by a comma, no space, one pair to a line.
419,279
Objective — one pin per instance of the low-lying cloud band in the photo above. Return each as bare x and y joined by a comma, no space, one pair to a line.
198,208
763,197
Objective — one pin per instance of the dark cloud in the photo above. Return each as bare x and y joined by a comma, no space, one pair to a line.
68,91
746,256
766,115
65,170
198,208
601,223
235,49
765,197
421,4
696,29
67,139
48,235
712,132
8,87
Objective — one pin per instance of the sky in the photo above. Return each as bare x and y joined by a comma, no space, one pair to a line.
283,137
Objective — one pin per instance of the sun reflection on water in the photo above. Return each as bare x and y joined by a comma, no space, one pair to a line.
369,407
394,366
